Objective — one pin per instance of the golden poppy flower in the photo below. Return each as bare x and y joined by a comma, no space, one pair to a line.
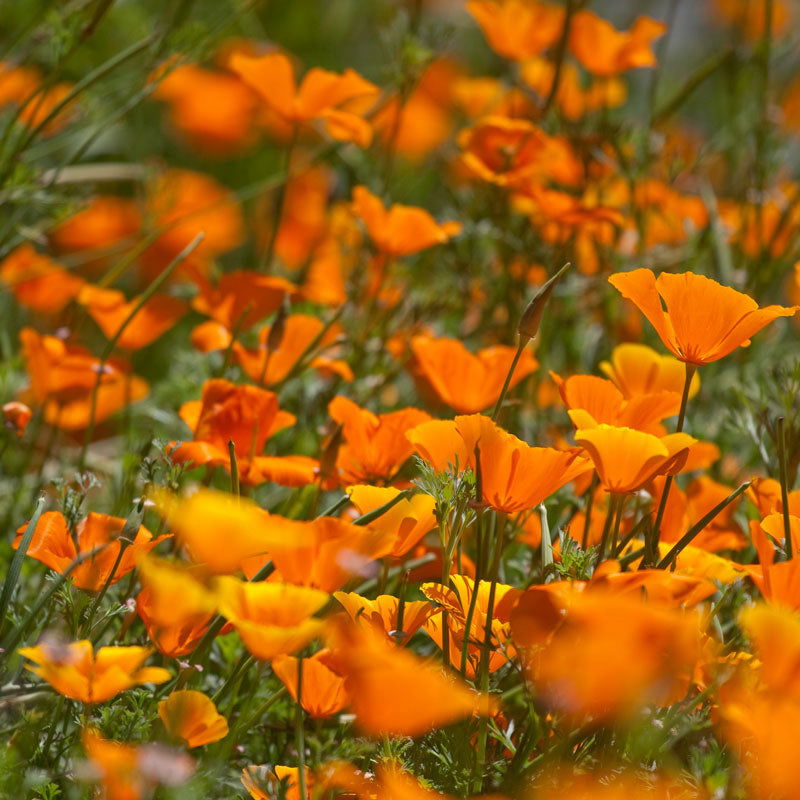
637,369
605,51
192,716
382,614
176,638
302,334
38,282
323,691
407,520
247,416
467,382
54,546
77,672
110,310
703,320
626,459
395,693
400,230
16,416
63,377
264,783
518,29
321,94
375,446
271,618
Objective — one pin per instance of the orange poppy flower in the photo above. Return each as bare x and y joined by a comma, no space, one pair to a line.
38,282
242,298
16,416
779,582
213,111
607,655
264,783
407,521
382,614
703,321
626,459
637,369
77,672
604,50
395,693
110,310
105,222
132,772
518,29
63,377
53,545
325,552
400,230
467,382
441,444
303,334
375,446
320,95
203,520
765,493
180,637
271,618
246,416
750,18
592,400
192,717
508,152
323,692
180,204
662,587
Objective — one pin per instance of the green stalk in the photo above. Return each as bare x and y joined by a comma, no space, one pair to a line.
234,468
299,732
517,355
787,528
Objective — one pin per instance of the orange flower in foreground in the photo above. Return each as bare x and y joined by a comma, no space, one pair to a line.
63,377
320,95
703,320
382,614
110,310
325,552
264,783
246,416
605,51
176,639
395,693
375,446
467,382
626,459
38,282
407,521
302,335
77,672
518,29
192,717
53,545
400,230
637,370
271,618
220,530
323,691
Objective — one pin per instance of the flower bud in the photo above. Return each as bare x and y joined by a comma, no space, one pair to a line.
532,316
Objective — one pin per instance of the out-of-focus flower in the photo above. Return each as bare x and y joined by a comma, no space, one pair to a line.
400,230
518,29
467,382
703,321
192,716
53,545
38,282
605,51
271,618
16,416
321,94
110,310
77,672
63,378
25,87
751,17
375,446
323,691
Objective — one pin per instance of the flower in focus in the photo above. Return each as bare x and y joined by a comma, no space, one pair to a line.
703,321
323,692
382,615
637,369
77,672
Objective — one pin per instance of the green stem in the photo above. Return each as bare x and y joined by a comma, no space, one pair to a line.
520,347
299,732
610,513
787,528
234,468
280,201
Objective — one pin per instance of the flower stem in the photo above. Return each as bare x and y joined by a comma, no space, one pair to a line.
520,347
787,528
299,733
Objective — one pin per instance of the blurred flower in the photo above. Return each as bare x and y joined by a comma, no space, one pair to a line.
78,673
192,716
16,416
38,282
323,691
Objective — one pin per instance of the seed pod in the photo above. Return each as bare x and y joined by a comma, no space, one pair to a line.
532,316
330,453
278,327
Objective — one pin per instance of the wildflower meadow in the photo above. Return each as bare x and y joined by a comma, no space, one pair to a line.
400,399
